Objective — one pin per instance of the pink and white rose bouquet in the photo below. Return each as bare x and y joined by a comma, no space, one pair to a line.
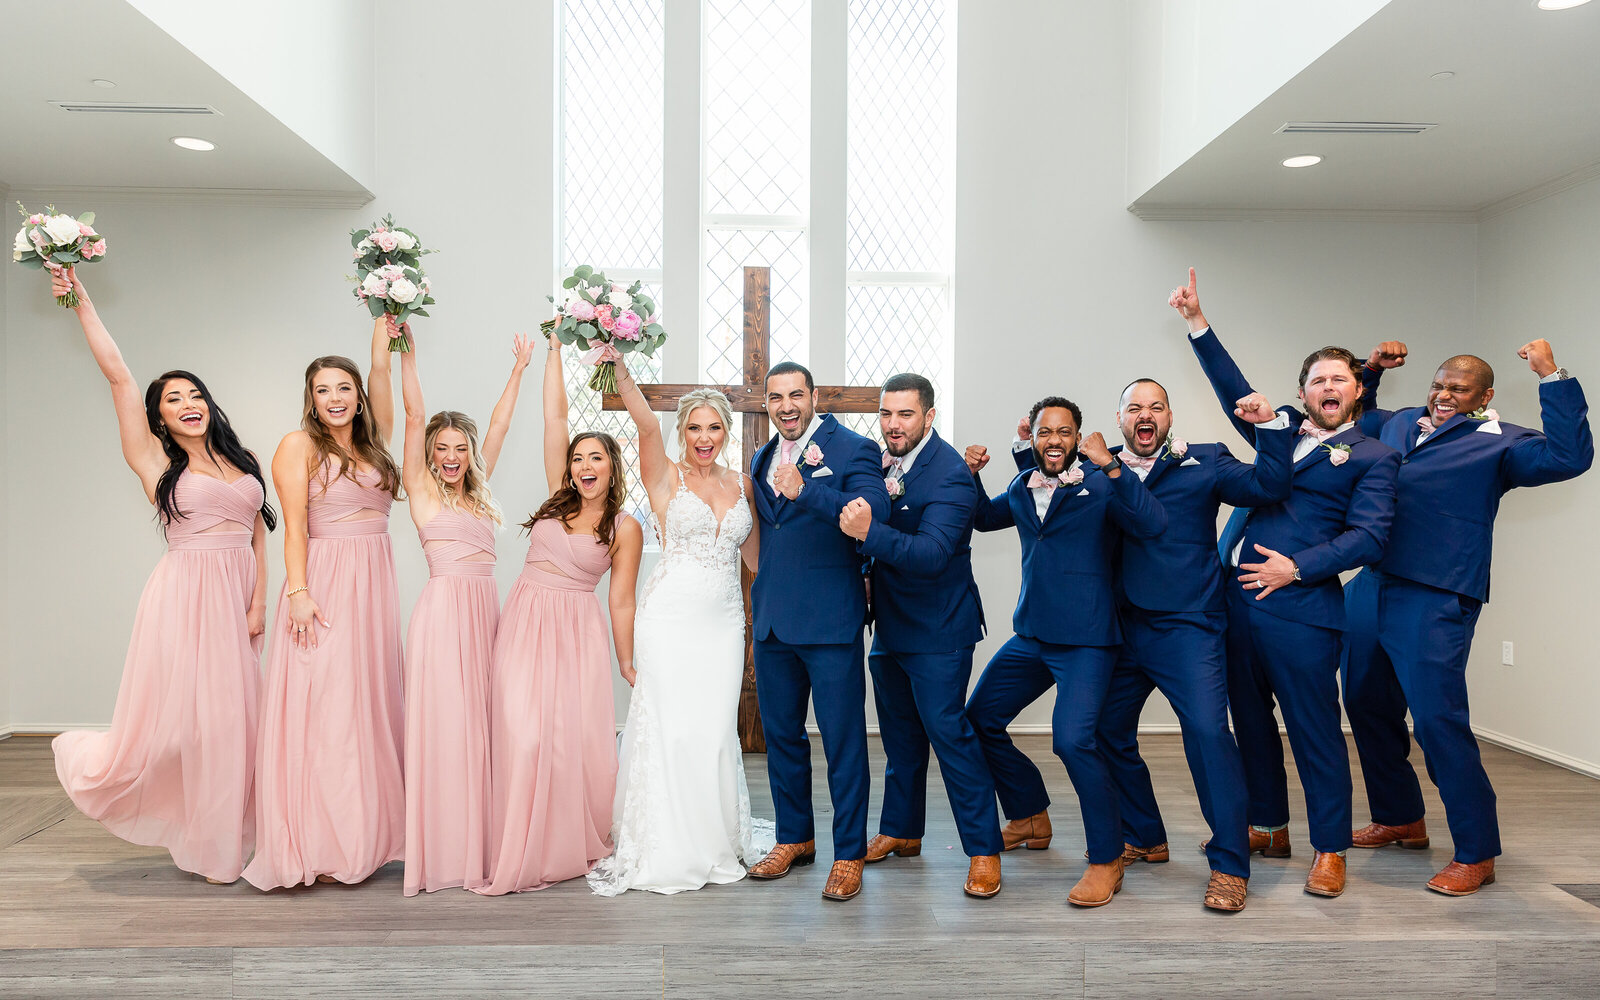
390,279
607,319
48,240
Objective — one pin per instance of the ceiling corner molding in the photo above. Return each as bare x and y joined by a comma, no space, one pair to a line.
1539,192
203,196
1172,213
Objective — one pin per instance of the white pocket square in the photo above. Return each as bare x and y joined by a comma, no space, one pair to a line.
1488,427
905,506
1082,493
820,471
1188,462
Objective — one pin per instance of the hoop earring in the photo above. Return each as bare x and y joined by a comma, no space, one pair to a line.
358,408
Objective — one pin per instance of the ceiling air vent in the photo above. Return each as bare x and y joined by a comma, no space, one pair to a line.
125,108
1354,128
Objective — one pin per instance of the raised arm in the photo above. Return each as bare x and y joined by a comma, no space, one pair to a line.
621,597
421,491
1269,479
991,513
140,448
380,384
927,551
556,434
862,478
1133,508
1227,381
500,419
1566,448
655,469
291,477
1389,354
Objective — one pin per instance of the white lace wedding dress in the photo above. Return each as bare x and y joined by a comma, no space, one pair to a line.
682,812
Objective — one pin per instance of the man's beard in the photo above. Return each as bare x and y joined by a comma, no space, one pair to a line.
907,446
1038,460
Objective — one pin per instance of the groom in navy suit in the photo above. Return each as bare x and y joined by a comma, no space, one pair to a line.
929,618
1286,613
1412,614
1069,517
810,606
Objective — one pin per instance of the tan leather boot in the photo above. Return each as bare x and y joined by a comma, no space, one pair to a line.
782,857
1458,879
1032,832
1098,885
1413,836
881,847
1327,875
983,876
844,881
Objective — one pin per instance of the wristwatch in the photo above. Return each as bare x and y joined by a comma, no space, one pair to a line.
1116,462
1296,571
1559,374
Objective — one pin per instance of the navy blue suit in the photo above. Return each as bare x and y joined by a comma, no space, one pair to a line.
1412,615
1066,634
1173,625
810,606
1287,646
928,618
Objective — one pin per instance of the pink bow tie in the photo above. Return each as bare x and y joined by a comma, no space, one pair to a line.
1425,425
890,461
1039,479
1320,433
1132,461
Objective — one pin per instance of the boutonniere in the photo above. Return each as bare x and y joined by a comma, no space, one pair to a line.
1177,447
1483,413
1073,477
812,456
896,488
1338,454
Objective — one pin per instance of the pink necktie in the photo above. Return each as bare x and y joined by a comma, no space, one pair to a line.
786,452
1132,461
1039,479
1312,430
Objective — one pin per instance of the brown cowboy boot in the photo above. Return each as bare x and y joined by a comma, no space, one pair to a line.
881,847
1032,832
1327,875
783,857
1458,879
1098,885
1413,836
983,876
1268,845
1149,855
844,881
1226,892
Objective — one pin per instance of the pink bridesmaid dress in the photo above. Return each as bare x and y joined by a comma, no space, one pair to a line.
448,648
552,730
176,768
330,787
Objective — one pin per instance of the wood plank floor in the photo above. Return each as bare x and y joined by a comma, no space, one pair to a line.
84,914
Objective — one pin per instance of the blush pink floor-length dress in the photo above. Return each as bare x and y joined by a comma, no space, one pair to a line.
330,784
177,767
449,645
552,727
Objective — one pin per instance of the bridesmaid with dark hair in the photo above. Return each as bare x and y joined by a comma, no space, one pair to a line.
330,789
451,636
552,728
177,766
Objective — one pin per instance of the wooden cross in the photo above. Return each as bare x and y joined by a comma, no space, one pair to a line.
750,400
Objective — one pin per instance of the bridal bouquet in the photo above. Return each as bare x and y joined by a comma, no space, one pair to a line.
391,279
50,240
607,320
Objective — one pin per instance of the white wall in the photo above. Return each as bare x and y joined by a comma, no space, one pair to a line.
309,63
5,510
1199,65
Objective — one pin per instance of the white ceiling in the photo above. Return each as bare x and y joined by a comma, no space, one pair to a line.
1522,110
45,149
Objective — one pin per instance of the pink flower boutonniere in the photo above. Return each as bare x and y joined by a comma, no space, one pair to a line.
1483,413
1338,454
1073,477
896,488
812,456
1177,447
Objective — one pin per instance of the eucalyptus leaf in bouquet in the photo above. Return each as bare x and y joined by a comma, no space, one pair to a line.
47,239
606,319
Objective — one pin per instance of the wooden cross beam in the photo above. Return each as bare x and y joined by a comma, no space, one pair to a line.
750,400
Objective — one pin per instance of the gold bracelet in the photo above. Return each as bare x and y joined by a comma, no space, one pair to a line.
297,590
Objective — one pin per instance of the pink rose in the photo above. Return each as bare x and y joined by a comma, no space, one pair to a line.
812,456
1073,477
603,315
1338,456
93,250
84,230
1178,446
386,241
35,220
628,325
896,488
582,311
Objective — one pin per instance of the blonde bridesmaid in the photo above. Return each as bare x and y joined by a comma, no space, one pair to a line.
176,768
552,729
451,636
330,787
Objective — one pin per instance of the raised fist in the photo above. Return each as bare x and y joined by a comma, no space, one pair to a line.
977,457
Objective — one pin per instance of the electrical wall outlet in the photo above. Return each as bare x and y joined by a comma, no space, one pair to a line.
1506,658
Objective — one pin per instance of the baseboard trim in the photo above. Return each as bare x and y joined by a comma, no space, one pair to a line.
1584,767
52,729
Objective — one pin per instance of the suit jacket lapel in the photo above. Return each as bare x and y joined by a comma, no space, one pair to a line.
1161,465
1020,484
923,459
1451,428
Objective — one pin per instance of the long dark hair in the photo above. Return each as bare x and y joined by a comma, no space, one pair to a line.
364,439
565,503
221,442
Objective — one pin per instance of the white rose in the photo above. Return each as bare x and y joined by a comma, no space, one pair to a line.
373,285
621,300
22,245
402,291
404,241
363,248
63,229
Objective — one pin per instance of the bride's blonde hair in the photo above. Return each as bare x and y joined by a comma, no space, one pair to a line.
713,398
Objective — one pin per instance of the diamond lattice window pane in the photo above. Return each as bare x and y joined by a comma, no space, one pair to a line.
891,329
758,106
611,133
901,122
727,253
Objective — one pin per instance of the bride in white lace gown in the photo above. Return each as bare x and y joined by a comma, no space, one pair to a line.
682,812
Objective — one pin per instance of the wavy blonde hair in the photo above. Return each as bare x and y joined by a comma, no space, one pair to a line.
693,400
473,495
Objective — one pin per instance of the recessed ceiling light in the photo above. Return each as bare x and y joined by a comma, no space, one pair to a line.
190,142
107,84
1308,160
1559,4
1443,74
